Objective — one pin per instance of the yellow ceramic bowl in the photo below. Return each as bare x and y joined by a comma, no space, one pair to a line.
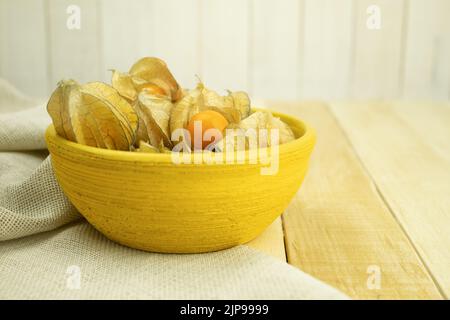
145,201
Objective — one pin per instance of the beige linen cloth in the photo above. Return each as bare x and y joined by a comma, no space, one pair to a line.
47,251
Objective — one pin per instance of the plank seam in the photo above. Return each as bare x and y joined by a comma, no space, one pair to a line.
403,47
100,52
200,38
283,229
352,53
48,45
386,203
300,48
250,46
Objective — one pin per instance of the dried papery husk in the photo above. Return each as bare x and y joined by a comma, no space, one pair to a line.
240,101
93,114
96,117
210,97
257,120
286,133
155,71
123,83
61,107
130,86
154,115
141,133
191,104
165,150
230,113
265,120
234,107
230,141
122,110
147,148
88,130
213,101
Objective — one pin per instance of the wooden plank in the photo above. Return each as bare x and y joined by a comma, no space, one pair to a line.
271,241
127,34
412,177
276,42
327,49
378,52
23,52
427,60
176,38
74,53
432,125
338,228
224,44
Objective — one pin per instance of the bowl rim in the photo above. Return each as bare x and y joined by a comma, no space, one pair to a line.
307,139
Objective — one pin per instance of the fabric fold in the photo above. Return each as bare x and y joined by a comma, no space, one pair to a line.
35,205
77,262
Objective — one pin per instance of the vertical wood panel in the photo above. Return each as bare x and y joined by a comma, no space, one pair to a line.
74,53
327,48
176,38
427,61
22,41
127,33
378,53
224,44
276,48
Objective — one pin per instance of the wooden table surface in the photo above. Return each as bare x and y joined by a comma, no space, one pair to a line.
372,217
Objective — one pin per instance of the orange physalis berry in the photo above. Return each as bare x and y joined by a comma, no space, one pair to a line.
208,119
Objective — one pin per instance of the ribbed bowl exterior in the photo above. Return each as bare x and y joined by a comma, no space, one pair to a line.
148,202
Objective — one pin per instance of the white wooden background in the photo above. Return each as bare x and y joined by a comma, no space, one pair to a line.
284,49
